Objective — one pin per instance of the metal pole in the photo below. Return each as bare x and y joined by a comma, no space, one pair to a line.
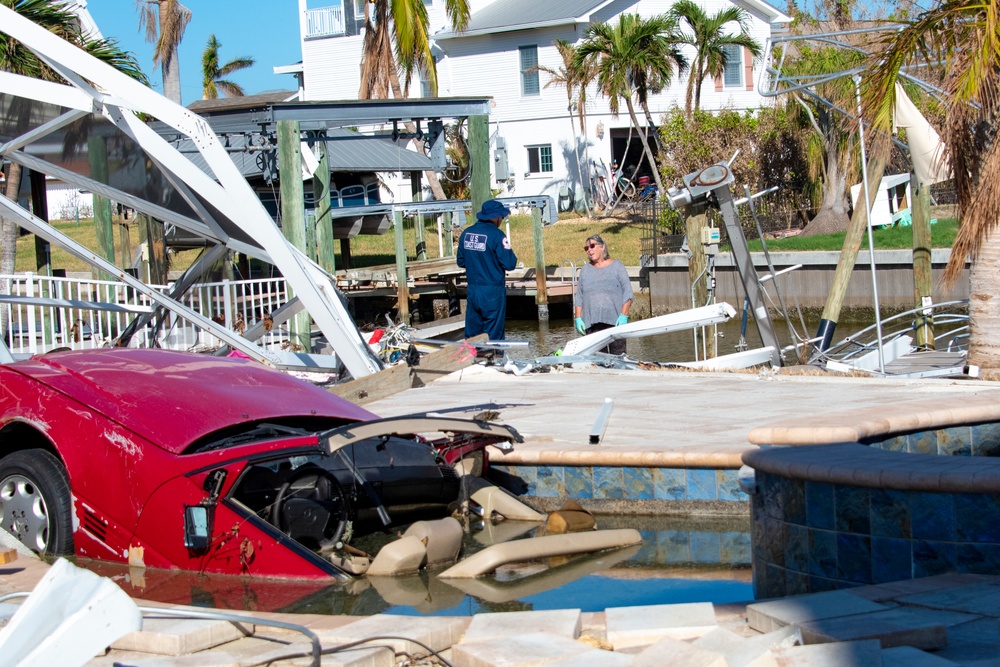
868,222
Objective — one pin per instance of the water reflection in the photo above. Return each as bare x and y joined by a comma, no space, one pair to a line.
680,560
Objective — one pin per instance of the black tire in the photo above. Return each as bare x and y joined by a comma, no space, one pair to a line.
35,501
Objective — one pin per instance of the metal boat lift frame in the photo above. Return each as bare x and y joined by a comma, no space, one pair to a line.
215,203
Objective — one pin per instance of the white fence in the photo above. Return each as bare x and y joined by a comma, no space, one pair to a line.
33,328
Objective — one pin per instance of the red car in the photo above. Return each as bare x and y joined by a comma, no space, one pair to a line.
175,460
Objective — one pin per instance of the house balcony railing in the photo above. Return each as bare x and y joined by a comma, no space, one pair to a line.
325,22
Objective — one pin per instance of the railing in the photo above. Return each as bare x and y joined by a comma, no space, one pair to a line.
34,328
325,21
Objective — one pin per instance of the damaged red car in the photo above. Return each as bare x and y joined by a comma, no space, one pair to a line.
175,460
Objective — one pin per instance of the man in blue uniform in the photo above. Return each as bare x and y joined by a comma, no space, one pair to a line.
485,254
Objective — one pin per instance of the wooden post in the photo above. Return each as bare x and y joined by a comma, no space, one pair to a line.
418,227
697,268
848,256
449,238
403,288
43,254
541,287
293,218
922,277
155,260
98,155
479,160
324,218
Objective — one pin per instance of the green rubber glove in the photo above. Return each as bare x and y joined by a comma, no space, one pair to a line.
622,319
580,328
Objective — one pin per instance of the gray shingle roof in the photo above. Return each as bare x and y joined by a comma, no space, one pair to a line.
520,14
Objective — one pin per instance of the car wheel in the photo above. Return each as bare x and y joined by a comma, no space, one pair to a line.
35,501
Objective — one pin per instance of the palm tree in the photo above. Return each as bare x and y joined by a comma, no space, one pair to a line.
710,40
15,58
212,73
966,41
408,31
164,22
575,80
635,50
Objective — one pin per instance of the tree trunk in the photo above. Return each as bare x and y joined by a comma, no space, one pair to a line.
584,182
645,144
172,78
984,305
432,178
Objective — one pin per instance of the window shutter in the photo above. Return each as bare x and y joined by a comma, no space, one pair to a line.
748,68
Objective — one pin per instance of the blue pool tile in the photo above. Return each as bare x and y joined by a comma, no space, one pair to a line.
976,517
579,481
890,513
775,537
933,516
854,558
978,558
796,583
701,484
924,442
891,560
795,501
638,483
673,546
823,553
528,474
648,553
729,486
895,444
775,581
986,439
550,482
669,484
954,441
705,547
797,548
608,482
819,505
734,548
772,495
930,558
852,509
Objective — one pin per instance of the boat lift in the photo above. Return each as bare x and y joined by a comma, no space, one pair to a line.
716,181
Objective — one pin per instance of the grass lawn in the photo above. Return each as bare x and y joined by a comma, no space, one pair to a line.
563,242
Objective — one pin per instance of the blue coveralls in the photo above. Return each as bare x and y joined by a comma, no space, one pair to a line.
484,252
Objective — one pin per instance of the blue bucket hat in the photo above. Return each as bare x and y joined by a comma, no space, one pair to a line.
492,209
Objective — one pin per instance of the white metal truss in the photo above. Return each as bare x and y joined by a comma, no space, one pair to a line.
218,204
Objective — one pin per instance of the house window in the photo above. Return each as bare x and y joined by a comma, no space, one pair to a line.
359,9
733,76
529,76
540,159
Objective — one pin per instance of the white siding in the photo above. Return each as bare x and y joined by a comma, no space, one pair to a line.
489,65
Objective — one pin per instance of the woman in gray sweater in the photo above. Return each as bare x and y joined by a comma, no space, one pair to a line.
603,293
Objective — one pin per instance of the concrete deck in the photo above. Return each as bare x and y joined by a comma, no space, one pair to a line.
944,620
677,419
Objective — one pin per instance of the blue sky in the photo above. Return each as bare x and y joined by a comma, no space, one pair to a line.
265,31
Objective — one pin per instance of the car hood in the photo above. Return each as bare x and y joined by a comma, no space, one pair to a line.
174,398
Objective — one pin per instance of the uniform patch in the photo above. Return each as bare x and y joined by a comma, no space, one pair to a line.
506,243
475,242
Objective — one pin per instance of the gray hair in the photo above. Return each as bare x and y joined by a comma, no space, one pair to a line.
596,238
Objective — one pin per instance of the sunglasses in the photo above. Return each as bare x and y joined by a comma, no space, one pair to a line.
590,246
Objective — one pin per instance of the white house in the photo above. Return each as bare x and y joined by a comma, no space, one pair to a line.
536,144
